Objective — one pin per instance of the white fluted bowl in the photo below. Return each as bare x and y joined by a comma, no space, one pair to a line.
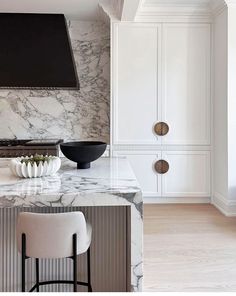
46,168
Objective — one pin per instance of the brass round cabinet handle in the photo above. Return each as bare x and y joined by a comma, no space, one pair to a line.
161,128
161,166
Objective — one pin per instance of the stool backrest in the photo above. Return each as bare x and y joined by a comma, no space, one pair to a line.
50,235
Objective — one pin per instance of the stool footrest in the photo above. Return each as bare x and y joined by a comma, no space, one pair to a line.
74,258
57,282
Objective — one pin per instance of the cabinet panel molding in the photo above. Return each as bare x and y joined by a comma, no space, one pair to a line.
161,73
135,91
185,100
188,175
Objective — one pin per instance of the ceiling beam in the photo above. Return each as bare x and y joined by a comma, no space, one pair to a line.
129,10
230,2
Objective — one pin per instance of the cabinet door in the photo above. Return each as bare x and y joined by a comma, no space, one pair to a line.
142,163
188,175
186,83
135,83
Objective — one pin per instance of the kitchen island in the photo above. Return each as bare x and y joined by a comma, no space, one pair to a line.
111,200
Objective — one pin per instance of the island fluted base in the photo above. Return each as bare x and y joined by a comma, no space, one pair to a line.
102,192
110,252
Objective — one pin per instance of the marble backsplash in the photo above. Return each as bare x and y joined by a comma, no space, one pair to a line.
71,115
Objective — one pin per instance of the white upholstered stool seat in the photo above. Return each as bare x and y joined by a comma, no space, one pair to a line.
60,235
50,235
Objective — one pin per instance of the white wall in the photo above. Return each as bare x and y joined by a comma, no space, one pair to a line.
220,106
232,102
225,111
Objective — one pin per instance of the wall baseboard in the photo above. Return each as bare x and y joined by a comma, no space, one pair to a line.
227,207
176,200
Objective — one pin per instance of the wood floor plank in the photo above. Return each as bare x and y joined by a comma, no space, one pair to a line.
188,248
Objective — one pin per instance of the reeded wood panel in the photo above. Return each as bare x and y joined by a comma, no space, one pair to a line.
109,252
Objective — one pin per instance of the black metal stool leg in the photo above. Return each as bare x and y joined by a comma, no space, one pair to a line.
74,257
23,258
37,274
75,261
89,271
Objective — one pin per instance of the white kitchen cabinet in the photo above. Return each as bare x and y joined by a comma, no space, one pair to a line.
188,175
185,100
135,88
162,73
142,163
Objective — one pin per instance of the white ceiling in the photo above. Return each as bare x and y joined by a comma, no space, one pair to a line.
73,9
183,2
89,10
155,10
196,3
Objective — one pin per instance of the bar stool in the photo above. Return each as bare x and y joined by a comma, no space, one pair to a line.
61,235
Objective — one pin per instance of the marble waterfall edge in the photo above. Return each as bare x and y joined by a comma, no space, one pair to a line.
109,182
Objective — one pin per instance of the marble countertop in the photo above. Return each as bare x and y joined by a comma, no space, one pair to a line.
109,181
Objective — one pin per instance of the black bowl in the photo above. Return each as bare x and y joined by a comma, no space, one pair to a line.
83,152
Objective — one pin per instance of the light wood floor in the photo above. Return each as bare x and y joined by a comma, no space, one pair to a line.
188,248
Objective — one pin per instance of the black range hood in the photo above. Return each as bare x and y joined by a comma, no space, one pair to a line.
36,52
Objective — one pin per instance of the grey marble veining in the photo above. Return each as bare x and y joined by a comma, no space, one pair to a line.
111,176
82,114
109,182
